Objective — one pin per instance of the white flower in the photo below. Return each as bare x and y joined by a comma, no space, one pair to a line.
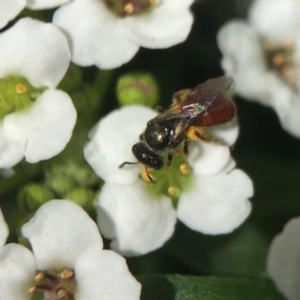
100,36
263,55
67,249
138,219
284,260
11,8
34,57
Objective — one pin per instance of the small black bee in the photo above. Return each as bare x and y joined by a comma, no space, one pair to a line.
191,111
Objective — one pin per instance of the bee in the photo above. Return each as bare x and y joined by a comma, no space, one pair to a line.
192,110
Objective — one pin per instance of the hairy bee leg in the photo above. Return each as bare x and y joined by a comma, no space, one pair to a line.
170,158
180,96
198,133
127,163
185,148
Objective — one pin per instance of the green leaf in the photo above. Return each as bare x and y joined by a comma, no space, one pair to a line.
176,287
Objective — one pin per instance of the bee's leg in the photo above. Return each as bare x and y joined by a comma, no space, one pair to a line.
127,163
180,96
198,133
142,137
185,147
146,175
170,158
159,109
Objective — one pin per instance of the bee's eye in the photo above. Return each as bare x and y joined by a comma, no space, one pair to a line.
156,136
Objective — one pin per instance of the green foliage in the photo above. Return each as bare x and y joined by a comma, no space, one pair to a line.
177,287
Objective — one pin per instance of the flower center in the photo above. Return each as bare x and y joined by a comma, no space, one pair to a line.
16,94
170,181
281,59
55,286
123,8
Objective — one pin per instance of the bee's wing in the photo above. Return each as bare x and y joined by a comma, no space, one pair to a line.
219,84
189,105
204,94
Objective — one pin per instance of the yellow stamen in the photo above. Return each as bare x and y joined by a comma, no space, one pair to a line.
278,59
172,190
39,277
129,8
152,2
66,274
184,168
32,289
21,89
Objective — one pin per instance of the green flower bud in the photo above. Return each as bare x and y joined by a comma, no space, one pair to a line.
83,197
60,184
83,174
32,196
137,88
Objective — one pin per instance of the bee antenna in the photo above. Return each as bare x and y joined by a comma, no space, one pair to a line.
127,163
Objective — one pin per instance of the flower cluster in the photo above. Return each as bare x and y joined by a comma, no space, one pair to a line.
139,217
262,54
67,262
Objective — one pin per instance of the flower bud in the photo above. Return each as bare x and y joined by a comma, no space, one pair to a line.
137,88
83,197
32,196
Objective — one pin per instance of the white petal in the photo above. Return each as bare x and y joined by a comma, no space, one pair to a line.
216,204
111,143
284,259
207,159
179,3
17,271
226,133
276,21
9,10
210,158
46,127
11,151
36,50
105,275
94,34
44,4
243,58
168,24
286,103
59,233
136,221
3,230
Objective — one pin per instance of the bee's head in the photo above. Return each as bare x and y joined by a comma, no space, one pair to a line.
147,156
